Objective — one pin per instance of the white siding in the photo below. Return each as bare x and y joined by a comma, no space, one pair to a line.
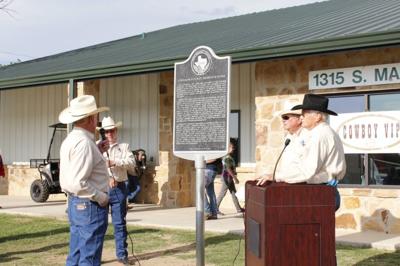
25,115
242,99
134,100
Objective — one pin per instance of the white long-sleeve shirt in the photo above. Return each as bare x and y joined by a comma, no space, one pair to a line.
122,156
322,158
83,169
292,154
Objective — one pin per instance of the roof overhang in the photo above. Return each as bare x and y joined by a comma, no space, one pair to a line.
270,52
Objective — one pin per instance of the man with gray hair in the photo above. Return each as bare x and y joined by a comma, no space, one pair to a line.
84,177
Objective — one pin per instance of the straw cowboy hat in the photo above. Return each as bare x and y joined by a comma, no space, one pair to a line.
287,108
79,108
108,123
315,102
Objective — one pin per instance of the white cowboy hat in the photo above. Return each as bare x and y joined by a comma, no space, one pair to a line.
287,108
79,108
108,123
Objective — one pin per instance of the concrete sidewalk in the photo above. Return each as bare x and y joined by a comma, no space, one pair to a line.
185,218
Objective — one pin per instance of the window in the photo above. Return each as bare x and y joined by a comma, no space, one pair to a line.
369,169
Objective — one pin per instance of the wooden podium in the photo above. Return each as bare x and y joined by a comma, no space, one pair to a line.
290,224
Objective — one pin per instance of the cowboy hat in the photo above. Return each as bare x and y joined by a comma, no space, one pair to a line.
108,123
287,108
79,108
315,102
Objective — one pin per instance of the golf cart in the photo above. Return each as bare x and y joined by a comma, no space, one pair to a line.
49,182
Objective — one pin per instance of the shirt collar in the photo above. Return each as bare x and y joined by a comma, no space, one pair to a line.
84,132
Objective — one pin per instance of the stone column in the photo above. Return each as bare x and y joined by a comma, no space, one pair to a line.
176,177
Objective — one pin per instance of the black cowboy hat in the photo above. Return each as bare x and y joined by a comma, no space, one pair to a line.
315,102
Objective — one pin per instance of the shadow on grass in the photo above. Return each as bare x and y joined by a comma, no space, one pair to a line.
160,253
8,255
387,259
213,240
35,235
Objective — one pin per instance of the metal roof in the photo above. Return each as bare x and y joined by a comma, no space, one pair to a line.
318,27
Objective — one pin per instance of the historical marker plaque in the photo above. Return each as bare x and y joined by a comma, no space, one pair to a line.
201,105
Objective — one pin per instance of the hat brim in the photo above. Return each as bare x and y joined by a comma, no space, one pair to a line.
66,117
118,124
314,108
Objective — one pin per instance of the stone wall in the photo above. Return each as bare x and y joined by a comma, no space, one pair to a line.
20,178
369,209
279,80
175,176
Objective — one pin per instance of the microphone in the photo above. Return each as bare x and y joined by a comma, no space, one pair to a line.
102,132
287,141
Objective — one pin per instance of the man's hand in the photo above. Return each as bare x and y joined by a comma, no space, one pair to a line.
113,183
263,179
110,163
104,202
103,146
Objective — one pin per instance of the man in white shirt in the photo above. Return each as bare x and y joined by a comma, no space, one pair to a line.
120,158
297,137
323,160
84,177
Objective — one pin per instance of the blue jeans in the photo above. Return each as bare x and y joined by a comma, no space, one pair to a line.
334,184
337,199
133,186
118,215
210,202
88,225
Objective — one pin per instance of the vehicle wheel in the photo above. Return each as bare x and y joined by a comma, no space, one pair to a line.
39,191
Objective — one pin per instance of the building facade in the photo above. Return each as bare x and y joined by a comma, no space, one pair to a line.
352,59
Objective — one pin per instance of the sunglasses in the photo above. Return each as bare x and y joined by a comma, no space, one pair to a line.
287,117
110,130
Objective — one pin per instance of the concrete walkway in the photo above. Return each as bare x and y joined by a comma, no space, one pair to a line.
185,218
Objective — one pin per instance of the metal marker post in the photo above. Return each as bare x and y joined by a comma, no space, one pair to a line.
200,165
201,119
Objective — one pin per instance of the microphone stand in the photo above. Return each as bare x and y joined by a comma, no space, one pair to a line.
287,141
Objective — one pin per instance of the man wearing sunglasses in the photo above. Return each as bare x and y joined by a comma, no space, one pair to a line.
291,120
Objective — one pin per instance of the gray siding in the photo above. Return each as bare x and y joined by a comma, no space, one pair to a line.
134,101
242,99
25,115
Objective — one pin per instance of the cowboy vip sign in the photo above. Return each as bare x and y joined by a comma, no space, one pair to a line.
368,132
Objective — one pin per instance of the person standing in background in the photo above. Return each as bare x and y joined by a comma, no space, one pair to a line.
2,172
210,199
229,178
119,159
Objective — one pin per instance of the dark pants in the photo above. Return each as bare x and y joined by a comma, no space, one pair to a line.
133,186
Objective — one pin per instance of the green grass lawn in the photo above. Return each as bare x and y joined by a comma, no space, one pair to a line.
41,241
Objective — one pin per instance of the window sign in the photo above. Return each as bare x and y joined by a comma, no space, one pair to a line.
368,132
354,76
